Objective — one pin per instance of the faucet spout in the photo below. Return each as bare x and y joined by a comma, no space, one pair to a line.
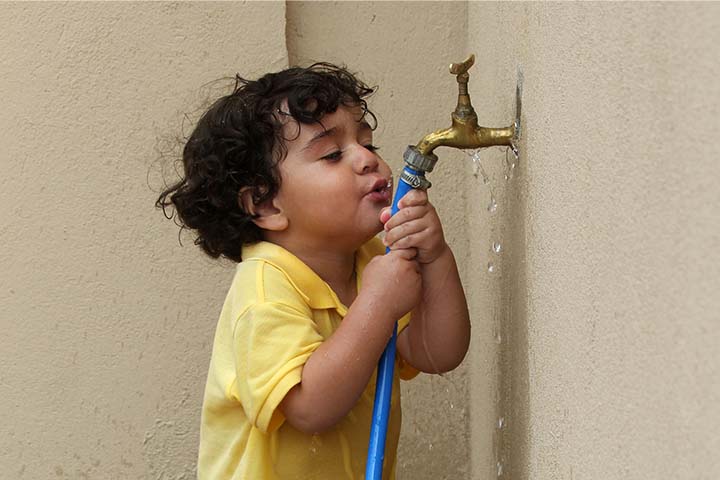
463,137
465,133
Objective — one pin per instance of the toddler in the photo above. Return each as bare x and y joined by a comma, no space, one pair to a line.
282,177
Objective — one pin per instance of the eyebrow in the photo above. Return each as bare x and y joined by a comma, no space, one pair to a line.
319,136
362,126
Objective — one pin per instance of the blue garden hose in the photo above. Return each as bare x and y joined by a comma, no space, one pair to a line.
419,159
386,366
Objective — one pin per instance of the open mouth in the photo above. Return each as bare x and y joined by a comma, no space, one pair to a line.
382,190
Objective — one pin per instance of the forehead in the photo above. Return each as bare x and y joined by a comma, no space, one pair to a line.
344,119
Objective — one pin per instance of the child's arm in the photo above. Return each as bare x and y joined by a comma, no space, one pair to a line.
337,373
438,336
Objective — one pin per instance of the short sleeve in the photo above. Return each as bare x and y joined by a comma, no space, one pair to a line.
272,342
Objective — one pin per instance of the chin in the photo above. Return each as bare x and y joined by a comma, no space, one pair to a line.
371,233
378,228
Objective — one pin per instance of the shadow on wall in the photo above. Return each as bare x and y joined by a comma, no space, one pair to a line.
514,368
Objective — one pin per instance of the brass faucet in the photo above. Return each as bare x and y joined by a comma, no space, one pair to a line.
464,132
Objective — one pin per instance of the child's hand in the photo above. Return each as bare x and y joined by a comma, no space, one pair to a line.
393,280
415,225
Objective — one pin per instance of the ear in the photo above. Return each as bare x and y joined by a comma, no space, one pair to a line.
266,215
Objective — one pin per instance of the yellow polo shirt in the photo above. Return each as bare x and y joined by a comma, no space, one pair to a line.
276,314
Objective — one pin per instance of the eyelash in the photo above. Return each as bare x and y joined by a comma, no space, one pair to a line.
335,156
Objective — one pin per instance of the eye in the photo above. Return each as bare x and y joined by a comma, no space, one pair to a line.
333,157
371,148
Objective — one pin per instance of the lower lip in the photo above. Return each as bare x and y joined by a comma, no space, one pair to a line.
381,196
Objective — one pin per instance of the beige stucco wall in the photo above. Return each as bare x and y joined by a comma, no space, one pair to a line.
594,340
610,361
106,321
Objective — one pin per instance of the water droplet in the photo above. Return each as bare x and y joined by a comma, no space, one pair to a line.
477,165
491,267
498,338
430,446
496,247
493,205
499,469
510,165
501,422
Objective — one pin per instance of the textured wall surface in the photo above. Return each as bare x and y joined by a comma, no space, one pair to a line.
107,322
595,337
609,350
405,48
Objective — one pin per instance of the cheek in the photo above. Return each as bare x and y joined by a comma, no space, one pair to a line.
384,168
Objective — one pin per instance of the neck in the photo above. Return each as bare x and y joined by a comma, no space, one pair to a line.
335,267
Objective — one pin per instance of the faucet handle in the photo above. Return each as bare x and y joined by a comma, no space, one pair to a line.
464,111
462,68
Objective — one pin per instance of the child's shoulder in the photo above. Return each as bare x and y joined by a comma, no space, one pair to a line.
270,274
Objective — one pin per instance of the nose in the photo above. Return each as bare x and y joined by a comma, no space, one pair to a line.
365,161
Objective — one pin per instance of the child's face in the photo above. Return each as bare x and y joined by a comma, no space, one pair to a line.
334,185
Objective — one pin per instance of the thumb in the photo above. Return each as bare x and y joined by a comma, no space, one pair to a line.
385,215
406,253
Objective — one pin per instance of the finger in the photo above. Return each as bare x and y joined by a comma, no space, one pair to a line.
407,214
403,230
413,198
406,253
411,240
385,214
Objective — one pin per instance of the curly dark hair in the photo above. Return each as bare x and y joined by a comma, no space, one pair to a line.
238,143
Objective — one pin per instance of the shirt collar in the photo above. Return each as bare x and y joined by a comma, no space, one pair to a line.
316,292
